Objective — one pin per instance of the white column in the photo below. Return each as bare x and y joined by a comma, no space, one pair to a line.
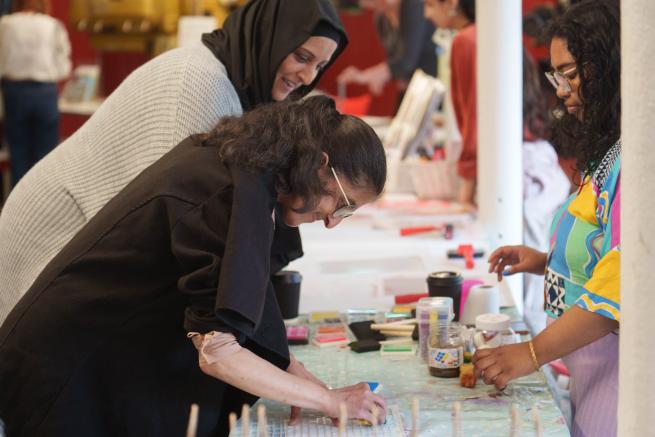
637,354
500,125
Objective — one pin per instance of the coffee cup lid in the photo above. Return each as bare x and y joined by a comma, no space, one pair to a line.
445,277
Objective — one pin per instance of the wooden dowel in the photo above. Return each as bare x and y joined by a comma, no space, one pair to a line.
538,427
245,420
192,426
457,419
415,407
233,421
395,333
262,424
515,421
406,340
392,326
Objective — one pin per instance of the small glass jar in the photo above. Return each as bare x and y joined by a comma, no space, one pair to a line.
492,330
445,349
443,307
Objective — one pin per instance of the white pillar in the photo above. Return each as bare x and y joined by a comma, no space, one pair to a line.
636,376
500,125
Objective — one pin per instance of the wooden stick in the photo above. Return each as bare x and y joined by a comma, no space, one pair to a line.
415,406
233,421
245,420
538,427
262,425
398,324
406,340
192,426
395,326
343,418
395,333
515,423
457,419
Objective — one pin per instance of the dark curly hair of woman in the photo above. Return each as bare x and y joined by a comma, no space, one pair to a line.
591,30
288,139
535,111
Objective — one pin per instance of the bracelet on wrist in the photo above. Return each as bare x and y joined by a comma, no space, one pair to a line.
534,356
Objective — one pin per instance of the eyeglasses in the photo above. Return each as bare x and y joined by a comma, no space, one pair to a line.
348,209
562,79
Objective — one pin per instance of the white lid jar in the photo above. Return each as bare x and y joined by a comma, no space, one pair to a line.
492,330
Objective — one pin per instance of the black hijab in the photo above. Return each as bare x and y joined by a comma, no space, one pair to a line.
257,37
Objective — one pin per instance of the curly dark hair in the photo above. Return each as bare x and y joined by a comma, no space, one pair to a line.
535,111
288,139
591,30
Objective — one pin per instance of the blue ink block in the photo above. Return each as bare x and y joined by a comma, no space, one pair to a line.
506,272
375,386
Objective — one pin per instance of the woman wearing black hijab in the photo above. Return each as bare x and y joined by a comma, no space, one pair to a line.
266,51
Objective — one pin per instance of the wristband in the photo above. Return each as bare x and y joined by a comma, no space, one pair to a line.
534,356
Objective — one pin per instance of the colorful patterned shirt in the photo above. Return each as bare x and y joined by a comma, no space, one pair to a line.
583,265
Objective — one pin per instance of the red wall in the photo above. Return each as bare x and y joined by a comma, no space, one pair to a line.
115,66
363,51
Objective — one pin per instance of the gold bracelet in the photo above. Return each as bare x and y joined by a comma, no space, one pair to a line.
534,356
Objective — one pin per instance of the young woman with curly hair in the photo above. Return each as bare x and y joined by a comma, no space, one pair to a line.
582,266
164,298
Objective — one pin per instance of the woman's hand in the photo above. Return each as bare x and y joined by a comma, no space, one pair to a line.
350,74
500,365
360,402
298,369
520,258
375,77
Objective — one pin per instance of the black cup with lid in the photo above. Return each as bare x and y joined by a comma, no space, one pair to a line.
446,284
287,292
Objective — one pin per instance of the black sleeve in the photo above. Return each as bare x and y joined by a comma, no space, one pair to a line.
223,247
412,34
287,245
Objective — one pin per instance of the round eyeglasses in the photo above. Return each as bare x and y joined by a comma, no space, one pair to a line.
348,209
561,79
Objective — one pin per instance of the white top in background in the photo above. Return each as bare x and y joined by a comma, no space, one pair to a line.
34,47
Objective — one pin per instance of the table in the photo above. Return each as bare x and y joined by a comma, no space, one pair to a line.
485,411
363,263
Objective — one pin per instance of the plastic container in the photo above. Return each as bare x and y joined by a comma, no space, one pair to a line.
493,330
445,350
442,307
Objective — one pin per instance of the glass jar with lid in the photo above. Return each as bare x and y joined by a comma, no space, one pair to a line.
445,349
492,330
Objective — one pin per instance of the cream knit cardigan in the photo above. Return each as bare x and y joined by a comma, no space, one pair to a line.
182,92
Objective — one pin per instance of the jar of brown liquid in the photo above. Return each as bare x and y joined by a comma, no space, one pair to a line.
445,350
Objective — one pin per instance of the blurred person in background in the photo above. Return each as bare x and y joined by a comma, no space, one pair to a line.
34,56
459,15
407,40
